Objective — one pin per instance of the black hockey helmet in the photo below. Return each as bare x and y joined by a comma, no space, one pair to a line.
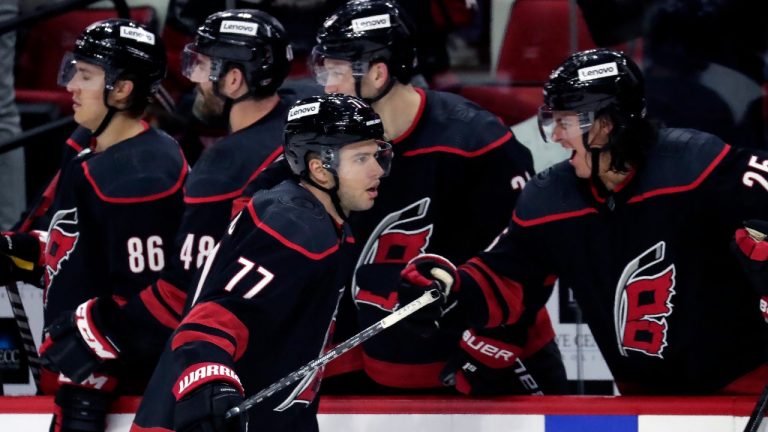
600,82
324,124
119,46
367,31
251,39
594,80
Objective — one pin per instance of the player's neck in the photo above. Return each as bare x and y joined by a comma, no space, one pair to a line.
249,111
324,199
398,109
120,128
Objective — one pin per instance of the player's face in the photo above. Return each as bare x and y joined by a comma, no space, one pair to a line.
87,88
359,175
567,130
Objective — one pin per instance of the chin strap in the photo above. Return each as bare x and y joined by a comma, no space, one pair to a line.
332,192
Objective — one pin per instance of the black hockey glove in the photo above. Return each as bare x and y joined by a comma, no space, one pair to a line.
421,274
751,250
484,365
80,410
20,258
80,342
203,410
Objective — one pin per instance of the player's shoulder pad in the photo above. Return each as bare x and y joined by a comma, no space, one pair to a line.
550,196
680,160
456,125
294,217
146,167
226,167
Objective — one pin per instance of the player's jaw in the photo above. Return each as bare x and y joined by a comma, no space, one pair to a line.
88,107
207,106
359,196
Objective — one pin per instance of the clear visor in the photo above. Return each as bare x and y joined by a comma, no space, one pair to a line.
383,157
329,71
198,67
556,126
79,74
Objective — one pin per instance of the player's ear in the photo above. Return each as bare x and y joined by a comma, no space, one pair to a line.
122,92
379,74
234,82
320,175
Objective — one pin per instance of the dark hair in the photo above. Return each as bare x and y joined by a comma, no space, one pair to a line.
630,140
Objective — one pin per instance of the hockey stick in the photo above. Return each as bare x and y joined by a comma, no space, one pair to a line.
20,315
14,297
758,412
425,299
762,403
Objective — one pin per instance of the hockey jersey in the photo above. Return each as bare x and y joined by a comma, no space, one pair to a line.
457,175
264,306
113,217
649,264
219,177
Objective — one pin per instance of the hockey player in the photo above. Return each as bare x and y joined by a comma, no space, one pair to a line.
638,223
268,294
238,60
458,167
115,210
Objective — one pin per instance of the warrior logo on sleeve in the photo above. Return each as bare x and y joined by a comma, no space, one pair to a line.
643,303
62,239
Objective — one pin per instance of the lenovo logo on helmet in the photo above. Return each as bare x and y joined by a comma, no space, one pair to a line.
137,34
304,110
598,71
371,23
239,27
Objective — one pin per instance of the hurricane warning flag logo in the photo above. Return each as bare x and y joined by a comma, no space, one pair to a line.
62,239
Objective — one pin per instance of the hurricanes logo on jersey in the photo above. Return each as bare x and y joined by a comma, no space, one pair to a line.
643,303
400,236
62,239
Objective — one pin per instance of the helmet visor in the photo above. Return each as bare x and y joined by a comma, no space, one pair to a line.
382,156
80,74
198,67
556,126
330,71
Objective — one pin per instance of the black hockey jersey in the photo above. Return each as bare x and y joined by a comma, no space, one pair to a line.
457,175
114,216
219,177
649,264
264,306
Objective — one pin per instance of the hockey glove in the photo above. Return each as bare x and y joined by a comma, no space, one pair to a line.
751,250
80,410
20,258
484,365
421,274
82,341
204,409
